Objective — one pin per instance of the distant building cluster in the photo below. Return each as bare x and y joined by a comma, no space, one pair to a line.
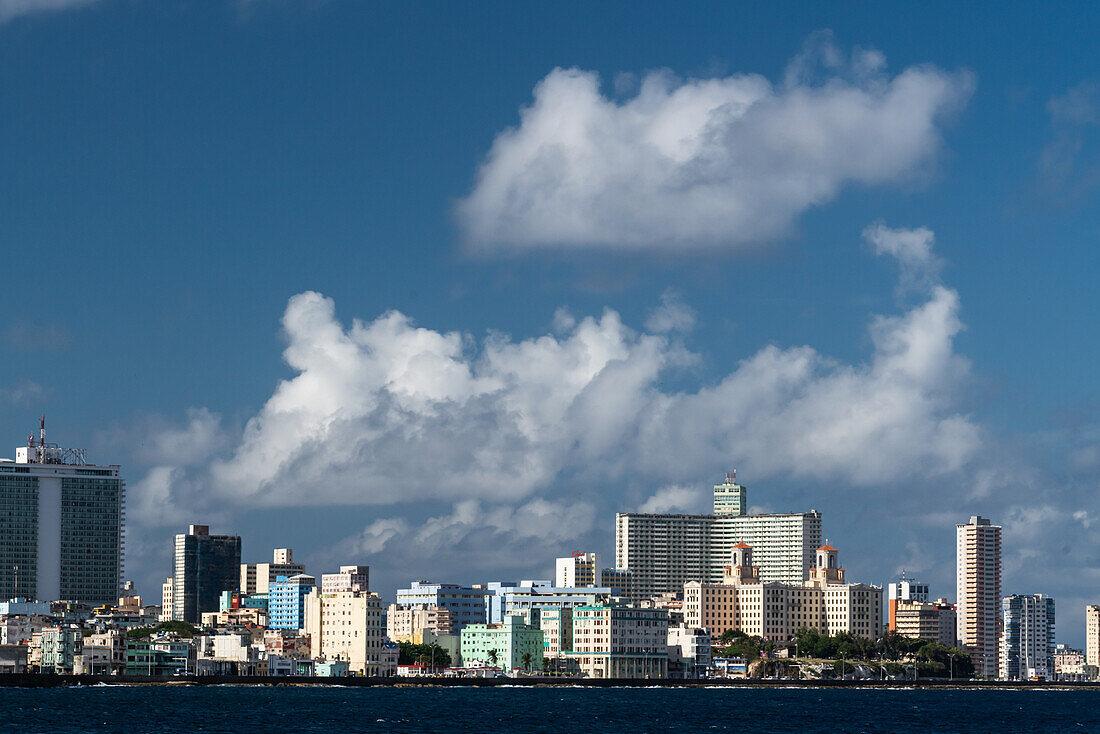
688,596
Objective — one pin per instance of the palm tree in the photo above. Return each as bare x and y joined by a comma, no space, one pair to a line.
526,661
493,656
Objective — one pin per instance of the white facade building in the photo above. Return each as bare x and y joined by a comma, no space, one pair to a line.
346,626
1092,635
689,652
256,578
663,552
620,642
580,569
1026,649
350,578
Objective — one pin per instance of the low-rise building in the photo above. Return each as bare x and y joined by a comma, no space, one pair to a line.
557,637
22,607
689,651
19,629
408,624
164,655
1069,663
60,645
614,641
102,653
932,621
510,598
13,658
511,644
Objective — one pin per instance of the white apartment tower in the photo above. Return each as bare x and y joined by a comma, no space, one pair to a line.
978,591
663,552
1092,635
1027,641
257,577
350,578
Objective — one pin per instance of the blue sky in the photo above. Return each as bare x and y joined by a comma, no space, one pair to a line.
175,174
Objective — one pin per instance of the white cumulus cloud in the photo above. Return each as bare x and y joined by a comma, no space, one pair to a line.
495,449
703,163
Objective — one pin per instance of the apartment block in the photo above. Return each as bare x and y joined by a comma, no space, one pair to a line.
346,626
978,592
350,578
204,566
924,620
1027,642
468,605
580,569
408,624
1092,635
663,552
286,601
257,577
613,641
509,644
61,525
903,590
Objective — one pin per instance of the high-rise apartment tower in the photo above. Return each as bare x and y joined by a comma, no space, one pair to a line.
663,552
61,525
978,591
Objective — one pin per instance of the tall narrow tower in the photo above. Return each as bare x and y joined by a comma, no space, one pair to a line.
978,591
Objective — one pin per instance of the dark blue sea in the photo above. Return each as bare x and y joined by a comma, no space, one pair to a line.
239,710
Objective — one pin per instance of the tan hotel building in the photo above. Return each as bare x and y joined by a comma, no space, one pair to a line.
776,611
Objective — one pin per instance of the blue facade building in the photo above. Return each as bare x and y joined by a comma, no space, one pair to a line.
467,604
286,601
529,596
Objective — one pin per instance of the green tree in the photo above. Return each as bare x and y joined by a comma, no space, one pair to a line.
409,653
526,658
493,656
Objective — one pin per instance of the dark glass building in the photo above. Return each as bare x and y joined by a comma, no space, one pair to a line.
205,566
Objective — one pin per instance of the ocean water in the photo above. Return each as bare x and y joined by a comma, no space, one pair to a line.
238,710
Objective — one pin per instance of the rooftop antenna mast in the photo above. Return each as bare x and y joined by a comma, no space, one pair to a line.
42,433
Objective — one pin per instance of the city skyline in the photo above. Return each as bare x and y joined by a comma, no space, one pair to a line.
440,288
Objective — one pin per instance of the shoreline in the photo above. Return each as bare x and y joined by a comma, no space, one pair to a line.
38,680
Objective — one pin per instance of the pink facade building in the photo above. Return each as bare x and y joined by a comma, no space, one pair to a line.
978,592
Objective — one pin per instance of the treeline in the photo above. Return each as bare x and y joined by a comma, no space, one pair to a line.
932,658
409,653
